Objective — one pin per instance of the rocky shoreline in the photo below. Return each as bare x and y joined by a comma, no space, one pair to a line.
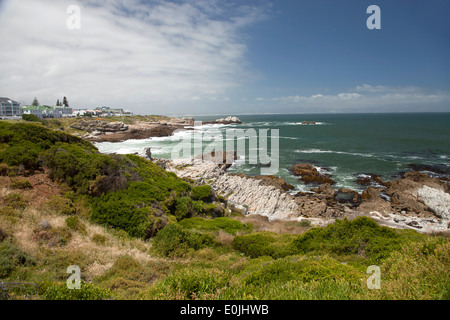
415,201
106,131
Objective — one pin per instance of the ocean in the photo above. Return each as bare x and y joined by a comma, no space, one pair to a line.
344,146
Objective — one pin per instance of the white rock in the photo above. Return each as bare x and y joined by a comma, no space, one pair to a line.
437,200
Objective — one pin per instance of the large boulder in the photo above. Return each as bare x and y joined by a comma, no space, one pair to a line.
404,192
309,174
229,120
372,201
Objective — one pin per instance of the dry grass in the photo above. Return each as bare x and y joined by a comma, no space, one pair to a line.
23,225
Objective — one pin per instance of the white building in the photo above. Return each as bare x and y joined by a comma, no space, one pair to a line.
9,108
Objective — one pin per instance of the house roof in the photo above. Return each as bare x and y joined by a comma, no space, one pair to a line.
7,101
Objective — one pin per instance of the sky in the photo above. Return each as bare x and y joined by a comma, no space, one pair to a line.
193,57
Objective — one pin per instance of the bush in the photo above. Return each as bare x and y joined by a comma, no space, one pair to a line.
26,154
119,211
201,192
99,239
361,236
16,201
87,292
173,240
183,208
30,117
11,257
21,184
60,205
228,225
419,270
4,169
192,283
304,270
265,244
75,224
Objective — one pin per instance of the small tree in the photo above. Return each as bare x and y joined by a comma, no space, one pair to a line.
35,102
58,103
65,102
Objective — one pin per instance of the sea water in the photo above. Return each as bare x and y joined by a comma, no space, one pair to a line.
343,146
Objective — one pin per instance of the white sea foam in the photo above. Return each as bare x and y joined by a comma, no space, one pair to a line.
367,155
303,124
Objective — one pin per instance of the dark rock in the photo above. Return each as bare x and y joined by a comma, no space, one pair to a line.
309,174
370,179
414,224
148,153
349,196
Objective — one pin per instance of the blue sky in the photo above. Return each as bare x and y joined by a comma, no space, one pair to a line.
228,57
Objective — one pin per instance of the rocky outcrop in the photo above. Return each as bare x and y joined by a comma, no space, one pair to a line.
269,180
227,120
370,179
404,193
256,195
415,201
99,126
309,174
104,131
436,200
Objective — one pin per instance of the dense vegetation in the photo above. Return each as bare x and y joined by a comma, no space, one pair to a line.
143,233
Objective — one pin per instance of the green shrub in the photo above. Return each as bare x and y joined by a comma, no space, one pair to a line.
75,224
183,208
173,240
201,192
99,239
11,257
30,117
265,244
304,270
26,154
228,225
4,169
131,214
192,283
87,291
418,270
60,205
362,236
16,201
21,184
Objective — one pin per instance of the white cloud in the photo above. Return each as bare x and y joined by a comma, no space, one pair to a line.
367,97
126,54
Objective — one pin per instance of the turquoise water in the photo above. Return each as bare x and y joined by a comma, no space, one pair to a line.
345,146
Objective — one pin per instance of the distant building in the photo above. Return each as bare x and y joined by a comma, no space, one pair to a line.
48,112
107,111
9,108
